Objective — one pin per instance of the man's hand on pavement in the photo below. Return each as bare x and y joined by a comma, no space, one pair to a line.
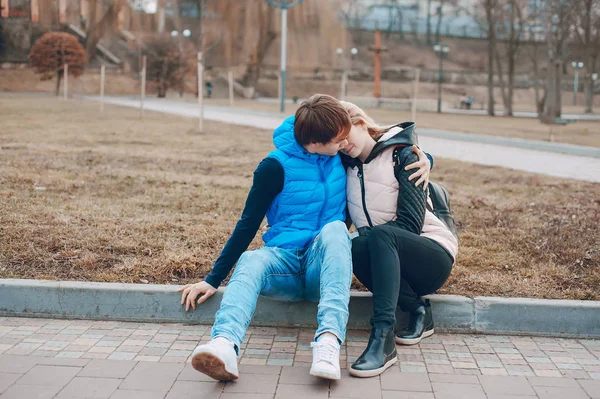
191,291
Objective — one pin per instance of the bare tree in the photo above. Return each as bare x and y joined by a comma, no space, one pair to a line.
169,61
559,25
490,7
395,18
428,21
587,30
484,13
266,36
97,29
535,54
512,20
351,13
440,14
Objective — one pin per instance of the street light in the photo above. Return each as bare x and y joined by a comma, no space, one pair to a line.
576,66
441,50
340,52
283,5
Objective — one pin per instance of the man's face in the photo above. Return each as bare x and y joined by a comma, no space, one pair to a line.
331,148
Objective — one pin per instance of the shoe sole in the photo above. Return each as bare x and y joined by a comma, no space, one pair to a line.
212,366
325,376
413,341
374,372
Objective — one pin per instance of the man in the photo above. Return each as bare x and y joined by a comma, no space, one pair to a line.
301,188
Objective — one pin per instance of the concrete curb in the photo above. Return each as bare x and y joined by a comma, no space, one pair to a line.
160,303
537,145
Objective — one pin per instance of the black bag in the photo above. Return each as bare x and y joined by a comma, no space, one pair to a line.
441,206
439,198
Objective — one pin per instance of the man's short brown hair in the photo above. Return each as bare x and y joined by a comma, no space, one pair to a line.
320,119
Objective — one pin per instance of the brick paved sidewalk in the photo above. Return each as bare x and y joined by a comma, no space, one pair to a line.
41,358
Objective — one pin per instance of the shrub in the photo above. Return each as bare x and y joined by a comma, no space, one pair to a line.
52,51
169,60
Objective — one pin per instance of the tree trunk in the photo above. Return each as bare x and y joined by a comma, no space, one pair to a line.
511,80
428,21
266,38
541,102
552,96
491,45
558,100
162,80
536,78
91,40
589,84
501,79
510,94
96,30
439,22
589,94
58,78
513,46
590,58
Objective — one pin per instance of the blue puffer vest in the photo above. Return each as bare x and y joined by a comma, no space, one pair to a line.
313,195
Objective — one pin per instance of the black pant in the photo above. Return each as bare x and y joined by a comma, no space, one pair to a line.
393,261
398,267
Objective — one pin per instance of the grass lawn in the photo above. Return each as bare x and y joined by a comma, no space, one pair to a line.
86,196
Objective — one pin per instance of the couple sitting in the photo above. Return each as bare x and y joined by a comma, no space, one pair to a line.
403,251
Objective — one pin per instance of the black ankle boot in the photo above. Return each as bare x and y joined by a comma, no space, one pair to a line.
379,355
419,327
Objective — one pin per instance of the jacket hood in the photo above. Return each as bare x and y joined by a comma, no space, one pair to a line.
284,139
401,134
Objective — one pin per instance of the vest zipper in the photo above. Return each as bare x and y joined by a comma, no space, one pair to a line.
363,194
325,190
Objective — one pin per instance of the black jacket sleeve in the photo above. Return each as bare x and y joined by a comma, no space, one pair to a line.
267,184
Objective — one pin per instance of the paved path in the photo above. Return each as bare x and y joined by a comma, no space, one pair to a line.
43,358
548,163
523,114
450,110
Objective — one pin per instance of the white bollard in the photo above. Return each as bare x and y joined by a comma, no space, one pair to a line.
102,74
143,93
66,81
230,78
200,93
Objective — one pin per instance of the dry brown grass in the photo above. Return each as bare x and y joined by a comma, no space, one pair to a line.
85,196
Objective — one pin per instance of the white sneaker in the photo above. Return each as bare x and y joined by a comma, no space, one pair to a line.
217,359
326,359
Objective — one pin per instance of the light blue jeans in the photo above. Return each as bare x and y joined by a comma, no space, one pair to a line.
319,273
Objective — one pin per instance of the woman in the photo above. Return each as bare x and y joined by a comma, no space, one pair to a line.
403,250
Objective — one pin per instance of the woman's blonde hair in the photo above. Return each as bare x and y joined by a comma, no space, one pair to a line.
359,117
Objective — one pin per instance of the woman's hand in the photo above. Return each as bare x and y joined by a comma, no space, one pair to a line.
191,292
424,167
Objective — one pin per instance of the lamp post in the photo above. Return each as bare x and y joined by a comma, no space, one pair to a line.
441,50
284,5
576,66
186,33
340,52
